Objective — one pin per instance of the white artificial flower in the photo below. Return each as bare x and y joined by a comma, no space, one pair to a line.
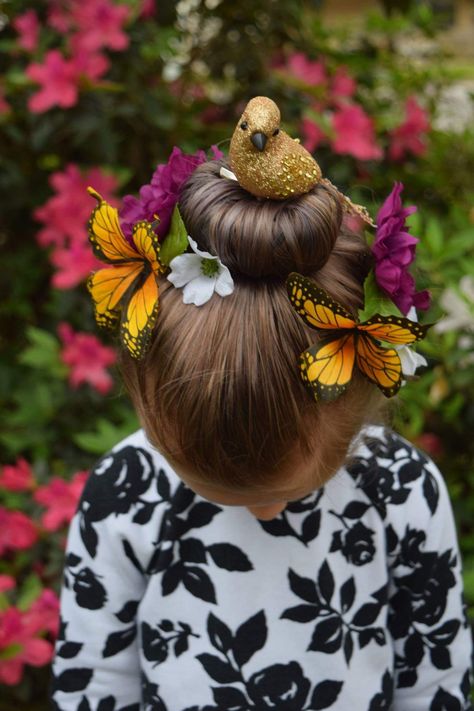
224,173
410,360
201,274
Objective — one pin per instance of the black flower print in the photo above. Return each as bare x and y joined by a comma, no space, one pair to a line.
114,487
291,522
150,697
421,599
356,542
390,469
158,640
180,558
382,701
279,687
332,632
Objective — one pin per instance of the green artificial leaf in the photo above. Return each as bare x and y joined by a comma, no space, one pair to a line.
30,591
176,241
106,434
43,353
375,301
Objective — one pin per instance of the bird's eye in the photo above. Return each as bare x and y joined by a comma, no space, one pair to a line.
276,132
244,125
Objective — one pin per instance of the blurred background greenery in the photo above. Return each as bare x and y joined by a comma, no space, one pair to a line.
88,103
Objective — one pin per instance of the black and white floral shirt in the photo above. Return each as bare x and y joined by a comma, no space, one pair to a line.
350,600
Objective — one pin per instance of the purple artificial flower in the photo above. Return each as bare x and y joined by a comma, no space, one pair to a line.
162,194
394,251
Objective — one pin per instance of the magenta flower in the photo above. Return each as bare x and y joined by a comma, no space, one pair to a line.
343,85
27,25
5,107
17,531
310,72
65,217
162,194
60,498
17,477
20,646
87,358
313,135
354,133
58,78
394,251
100,24
410,136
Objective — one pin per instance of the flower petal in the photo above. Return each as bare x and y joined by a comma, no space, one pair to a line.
184,267
224,283
410,360
196,250
199,290
224,173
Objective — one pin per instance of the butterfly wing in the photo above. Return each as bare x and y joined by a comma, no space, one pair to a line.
315,306
107,287
327,367
380,365
105,234
148,244
394,329
140,316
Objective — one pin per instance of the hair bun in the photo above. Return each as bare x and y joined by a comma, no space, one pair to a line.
259,237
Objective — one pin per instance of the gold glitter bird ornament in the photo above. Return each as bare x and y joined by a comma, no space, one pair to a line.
270,164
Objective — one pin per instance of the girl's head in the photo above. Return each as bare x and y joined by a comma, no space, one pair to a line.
219,392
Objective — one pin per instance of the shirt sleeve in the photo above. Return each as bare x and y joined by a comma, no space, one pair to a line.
96,663
427,613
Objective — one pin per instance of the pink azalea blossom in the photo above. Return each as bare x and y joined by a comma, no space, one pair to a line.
147,8
58,78
7,582
43,614
5,107
394,251
17,477
17,531
59,17
354,133
27,25
410,136
313,135
32,650
65,217
92,65
100,24
87,358
73,265
61,498
310,72
162,194
343,85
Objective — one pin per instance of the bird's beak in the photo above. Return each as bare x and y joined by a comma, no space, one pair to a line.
259,140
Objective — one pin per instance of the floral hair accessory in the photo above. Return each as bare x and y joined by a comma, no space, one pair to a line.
327,367
394,250
200,274
161,195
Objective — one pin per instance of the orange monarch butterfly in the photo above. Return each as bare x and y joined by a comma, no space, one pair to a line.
129,287
327,366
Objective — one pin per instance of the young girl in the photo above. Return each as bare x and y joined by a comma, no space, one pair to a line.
260,544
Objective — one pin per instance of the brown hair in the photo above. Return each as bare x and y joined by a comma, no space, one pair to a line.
219,391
